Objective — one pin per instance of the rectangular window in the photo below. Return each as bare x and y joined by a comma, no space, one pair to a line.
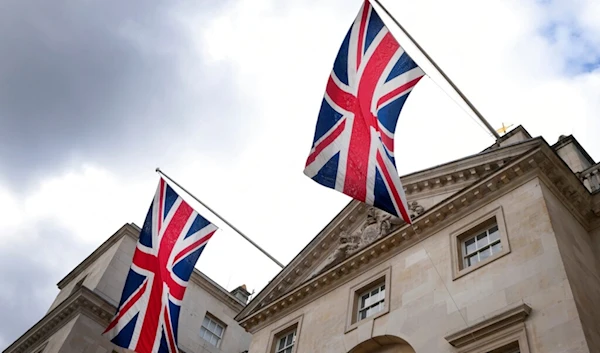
368,298
285,342
284,338
212,330
371,302
478,240
511,348
479,247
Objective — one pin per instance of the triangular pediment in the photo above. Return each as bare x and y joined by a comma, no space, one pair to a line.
359,225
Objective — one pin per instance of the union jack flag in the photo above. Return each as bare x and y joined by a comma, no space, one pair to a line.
170,243
353,145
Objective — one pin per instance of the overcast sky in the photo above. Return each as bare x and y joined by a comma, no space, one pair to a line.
223,96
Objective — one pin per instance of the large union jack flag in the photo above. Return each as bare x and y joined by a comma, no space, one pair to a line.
170,243
353,146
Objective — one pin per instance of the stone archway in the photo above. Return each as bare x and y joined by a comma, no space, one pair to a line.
383,344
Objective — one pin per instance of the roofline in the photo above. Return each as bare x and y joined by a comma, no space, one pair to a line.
565,140
507,136
132,230
482,153
300,253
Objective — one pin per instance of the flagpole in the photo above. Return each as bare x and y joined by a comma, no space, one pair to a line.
221,218
462,96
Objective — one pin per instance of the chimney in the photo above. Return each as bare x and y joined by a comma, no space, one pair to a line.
241,293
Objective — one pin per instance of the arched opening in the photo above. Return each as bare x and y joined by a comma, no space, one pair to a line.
383,344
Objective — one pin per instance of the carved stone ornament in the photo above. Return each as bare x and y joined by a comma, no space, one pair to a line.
414,209
377,224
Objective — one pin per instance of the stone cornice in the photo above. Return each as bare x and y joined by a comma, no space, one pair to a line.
464,171
129,229
133,231
448,177
540,162
217,291
497,322
570,139
82,300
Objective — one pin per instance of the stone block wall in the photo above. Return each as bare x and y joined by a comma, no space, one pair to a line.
582,264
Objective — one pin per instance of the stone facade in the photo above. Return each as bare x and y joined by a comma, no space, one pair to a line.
539,292
90,293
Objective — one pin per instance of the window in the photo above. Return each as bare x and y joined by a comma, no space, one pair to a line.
481,246
368,299
510,348
478,241
285,337
285,342
212,330
371,302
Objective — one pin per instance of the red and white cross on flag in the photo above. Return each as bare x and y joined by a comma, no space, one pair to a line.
353,145
170,243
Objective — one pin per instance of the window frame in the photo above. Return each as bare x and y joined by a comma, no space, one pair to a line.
362,307
382,278
212,318
475,236
283,330
469,227
284,336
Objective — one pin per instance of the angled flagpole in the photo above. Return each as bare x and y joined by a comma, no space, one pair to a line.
221,218
462,96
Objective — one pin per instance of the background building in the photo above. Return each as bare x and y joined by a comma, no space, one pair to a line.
502,258
90,293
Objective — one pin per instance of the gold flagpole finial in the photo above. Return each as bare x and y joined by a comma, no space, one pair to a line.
503,129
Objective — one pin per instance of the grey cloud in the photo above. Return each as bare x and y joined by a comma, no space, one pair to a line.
104,81
29,271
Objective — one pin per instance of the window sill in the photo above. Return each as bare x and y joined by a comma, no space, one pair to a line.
480,264
352,327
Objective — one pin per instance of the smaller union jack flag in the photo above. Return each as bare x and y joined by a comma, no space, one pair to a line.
170,243
353,145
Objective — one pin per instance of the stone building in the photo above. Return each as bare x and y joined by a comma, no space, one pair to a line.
90,293
502,258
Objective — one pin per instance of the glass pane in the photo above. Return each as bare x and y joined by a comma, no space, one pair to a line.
470,246
472,260
205,322
211,326
496,248
281,344
494,234
382,294
377,308
219,330
485,254
362,314
482,240
289,350
213,340
290,339
202,332
363,301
